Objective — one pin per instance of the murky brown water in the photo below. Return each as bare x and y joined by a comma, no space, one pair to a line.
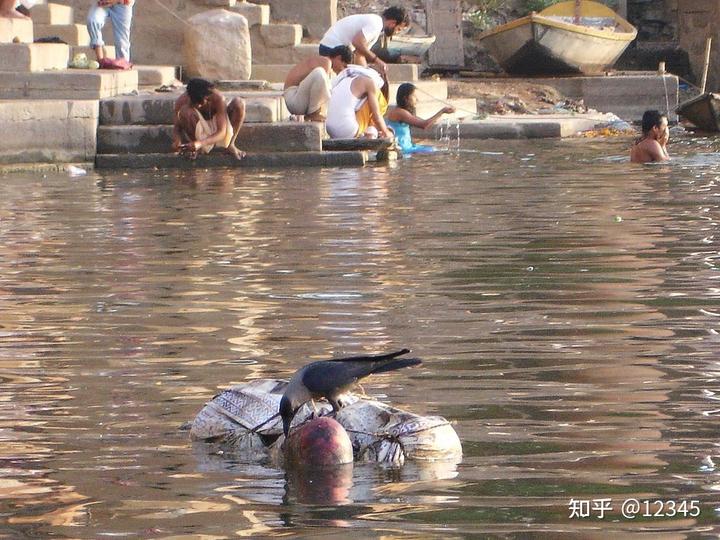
566,304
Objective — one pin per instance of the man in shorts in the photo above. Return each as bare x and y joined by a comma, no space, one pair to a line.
203,120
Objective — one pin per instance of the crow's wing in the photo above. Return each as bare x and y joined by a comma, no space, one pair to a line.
330,377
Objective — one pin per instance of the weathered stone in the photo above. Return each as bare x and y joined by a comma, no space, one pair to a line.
67,84
33,56
265,160
444,20
157,108
285,55
16,30
279,35
72,34
315,16
155,75
254,13
278,137
48,131
217,46
52,14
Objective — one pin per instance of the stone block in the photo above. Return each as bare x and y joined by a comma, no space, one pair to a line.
217,46
67,84
148,139
52,14
271,72
264,160
464,108
157,108
285,55
278,35
427,91
28,57
16,30
155,75
315,16
48,131
254,13
444,20
72,34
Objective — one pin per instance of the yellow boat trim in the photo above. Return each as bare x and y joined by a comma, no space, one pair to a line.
536,18
587,9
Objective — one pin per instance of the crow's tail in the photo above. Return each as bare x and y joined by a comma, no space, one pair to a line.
397,364
372,358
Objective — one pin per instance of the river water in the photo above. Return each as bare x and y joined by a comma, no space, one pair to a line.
565,304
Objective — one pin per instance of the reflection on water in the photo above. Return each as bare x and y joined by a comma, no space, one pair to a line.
564,300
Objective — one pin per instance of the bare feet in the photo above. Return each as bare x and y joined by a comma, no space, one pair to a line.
233,151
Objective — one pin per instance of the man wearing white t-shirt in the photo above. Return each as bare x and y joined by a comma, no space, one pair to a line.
362,31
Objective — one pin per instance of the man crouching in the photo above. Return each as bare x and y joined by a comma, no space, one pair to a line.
202,120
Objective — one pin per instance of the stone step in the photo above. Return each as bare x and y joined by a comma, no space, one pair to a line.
277,72
48,131
256,14
52,14
31,57
16,30
72,34
157,108
275,36
261,137
67,84
427,91
265,160
90,52
284,55
315,16
464,108
155,75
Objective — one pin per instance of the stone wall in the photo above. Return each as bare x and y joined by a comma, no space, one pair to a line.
699,20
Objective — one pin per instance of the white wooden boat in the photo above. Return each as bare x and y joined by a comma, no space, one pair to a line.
394,47
579,36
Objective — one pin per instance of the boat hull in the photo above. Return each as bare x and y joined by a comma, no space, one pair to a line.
539,44
703,111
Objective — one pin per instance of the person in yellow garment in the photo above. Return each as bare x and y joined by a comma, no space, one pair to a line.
203,120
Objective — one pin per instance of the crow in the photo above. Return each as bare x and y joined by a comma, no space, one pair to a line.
332,378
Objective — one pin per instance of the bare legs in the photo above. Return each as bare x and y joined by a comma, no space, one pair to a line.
7,10
236,114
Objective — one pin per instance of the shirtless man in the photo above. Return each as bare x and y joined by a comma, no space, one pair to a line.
7,10
361,31
652,146
202,120
307,85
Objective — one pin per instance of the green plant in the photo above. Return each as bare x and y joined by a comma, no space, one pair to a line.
538,5
481,16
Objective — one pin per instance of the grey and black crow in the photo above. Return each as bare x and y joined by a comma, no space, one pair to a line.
329,379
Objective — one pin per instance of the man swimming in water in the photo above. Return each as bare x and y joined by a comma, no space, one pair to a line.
652,146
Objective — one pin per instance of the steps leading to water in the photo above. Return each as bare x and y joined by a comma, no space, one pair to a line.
72,34
52,14
276,73
16,30
33,57
286,137
66,84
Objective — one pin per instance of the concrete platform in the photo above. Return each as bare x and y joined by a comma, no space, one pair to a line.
276,73
67,84
464,108
286,137
627,94
16,30
157,108
518,126
31,57
256,160
52,14
72,34
51,131
427,91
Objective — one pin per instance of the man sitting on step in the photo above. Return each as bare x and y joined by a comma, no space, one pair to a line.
307,85
203,120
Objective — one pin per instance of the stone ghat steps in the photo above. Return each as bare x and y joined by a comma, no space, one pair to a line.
276,73
281,137
251,160
465,108
33,57
157,108
72,34
51,13
16,30
67,84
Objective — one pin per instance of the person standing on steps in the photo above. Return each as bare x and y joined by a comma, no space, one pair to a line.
120,13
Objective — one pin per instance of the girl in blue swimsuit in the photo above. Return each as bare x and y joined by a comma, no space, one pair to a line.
401,117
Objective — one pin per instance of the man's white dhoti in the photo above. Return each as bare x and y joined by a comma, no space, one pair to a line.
311,95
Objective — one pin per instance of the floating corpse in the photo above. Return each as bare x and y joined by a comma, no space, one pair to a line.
245,419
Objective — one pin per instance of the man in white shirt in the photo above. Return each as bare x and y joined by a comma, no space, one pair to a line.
362,31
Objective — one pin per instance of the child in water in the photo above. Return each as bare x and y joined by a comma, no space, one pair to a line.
402,116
